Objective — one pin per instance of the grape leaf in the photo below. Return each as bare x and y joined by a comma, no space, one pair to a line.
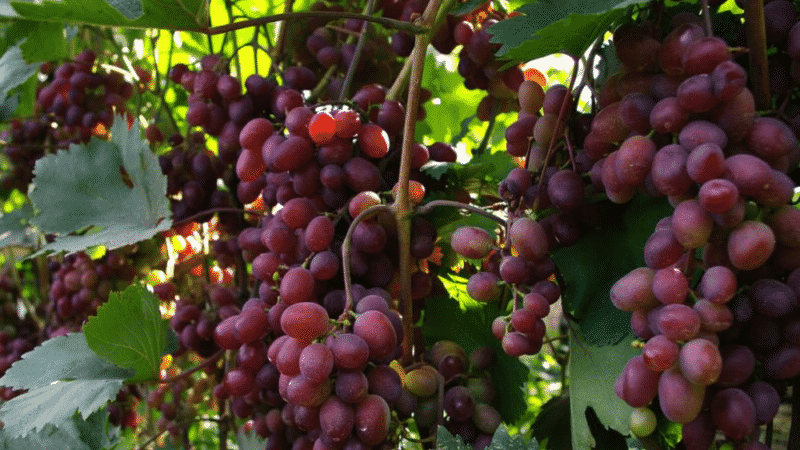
552,424
249,441
15,70
56,403
446,441
58,359
128,331
131,9
457,317
85,187
593,370
44,40
171,14
74,434
545,27
602,256
467,7
503,441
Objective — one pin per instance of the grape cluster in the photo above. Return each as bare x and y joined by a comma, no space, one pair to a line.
76,102
719,290
80,285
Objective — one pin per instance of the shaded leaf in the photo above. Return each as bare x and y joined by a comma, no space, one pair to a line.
44,41
545,27
446,441
467,7
503,441
58,359
552,425
15,229
15,70
131,9
128,331
56,404
170,14
593,370
84,187
74,434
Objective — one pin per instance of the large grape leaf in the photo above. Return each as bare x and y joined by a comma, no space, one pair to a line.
457,317
62,376
545,27
592,372
59,359
44,41
128,331
503,441
85,186
169,14
15,229
74,434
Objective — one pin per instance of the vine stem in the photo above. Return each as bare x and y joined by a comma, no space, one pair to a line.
707,18
212,211
277,50
561,115
346,247
402,204
428,207
757,43
229,7
386,22
362,40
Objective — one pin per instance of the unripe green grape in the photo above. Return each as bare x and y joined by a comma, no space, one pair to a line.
643,421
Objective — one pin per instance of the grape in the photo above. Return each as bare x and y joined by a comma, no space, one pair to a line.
733,413
662,249
362,175
669,170
770,138
772,298
633,291
634,160
225,334
351,387
691,224
321,128
680,399
675,45
518,344
513,270
372,420
699,433
238,382
718,195
336,419
458,403
736,115
378,332
728,79
783,363
252,324
704,54
713,317
304,321
634,112
779,16
698,132
643,422
421,382
785,222
700,362
531,96
750,245
660,353
484,287
696,93
705,162
304,392
373,141
677,322
607,126
637,385
316,362
670,286
528,238
297,286
668,116
385,382
749,173
390,118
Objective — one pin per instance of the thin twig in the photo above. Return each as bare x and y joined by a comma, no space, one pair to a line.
277,51
757,43
362,40
428,207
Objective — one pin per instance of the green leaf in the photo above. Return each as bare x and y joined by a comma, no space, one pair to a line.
84,187
552,26
15,70
467,7
128,331
44,41
249,441
56,403
593,370
502,441
459,318
552,425
74,434
446,441
602,256
170,14
131,9
59,359
451,104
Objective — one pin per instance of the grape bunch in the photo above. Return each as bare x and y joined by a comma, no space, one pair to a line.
719,290
80,285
